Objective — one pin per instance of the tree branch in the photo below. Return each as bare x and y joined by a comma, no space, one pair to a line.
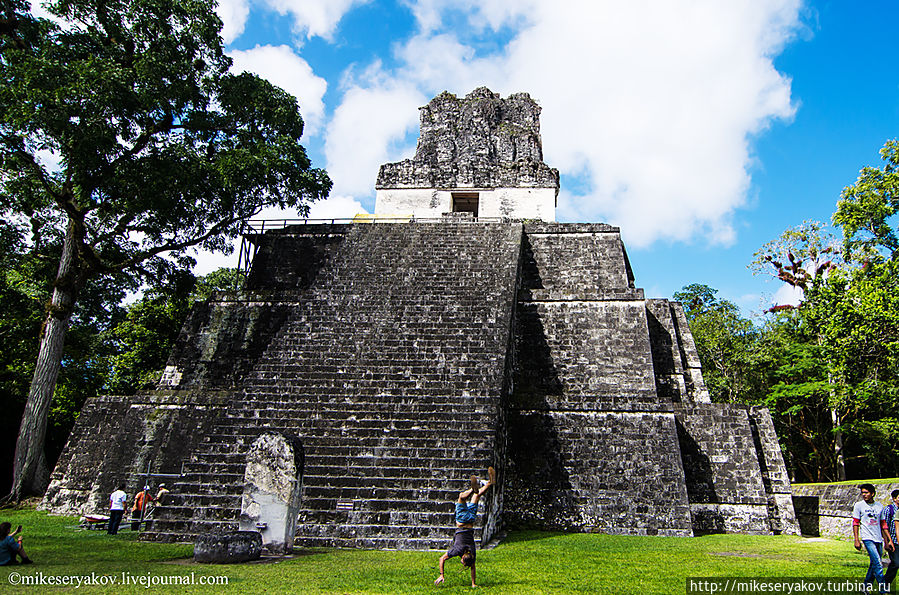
172,246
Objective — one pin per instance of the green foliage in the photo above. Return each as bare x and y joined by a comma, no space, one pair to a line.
799,395
144,339
799,256
726,343
866,210
159,148
857,314
24,291
223,279
110,349
123,138
525,562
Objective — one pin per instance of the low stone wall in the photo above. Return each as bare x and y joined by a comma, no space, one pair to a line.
826,509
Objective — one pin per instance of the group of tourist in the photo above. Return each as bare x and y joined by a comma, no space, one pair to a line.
119,499
874,527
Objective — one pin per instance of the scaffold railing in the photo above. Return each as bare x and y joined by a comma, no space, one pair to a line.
256,227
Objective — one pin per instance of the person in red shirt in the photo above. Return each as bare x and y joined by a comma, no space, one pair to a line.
137,511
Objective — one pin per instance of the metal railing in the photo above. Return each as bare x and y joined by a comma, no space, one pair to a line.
257,227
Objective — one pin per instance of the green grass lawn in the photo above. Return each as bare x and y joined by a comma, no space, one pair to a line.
526,562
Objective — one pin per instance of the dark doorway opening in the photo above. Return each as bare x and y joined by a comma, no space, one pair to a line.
465,202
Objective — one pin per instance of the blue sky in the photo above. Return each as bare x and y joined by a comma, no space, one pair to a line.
702,128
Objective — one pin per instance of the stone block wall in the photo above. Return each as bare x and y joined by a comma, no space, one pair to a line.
678,372
407,357
579,354
591,444
116,438
605,471
736,479
724,480
774,472
826,509
221,340
575,261
291,259
391,370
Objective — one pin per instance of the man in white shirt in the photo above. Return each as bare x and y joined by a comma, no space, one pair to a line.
117,501
869,528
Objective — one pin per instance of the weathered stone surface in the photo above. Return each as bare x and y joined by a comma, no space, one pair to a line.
391,375
774,473
826,509
271,493
116,438
480,141
228,548
596,471
408,356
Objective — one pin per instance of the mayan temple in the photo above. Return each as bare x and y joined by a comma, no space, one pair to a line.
458,327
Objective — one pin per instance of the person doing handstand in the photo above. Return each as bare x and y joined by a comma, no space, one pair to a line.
466,513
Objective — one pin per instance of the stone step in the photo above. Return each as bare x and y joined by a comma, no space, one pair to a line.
356,464
366,531
219,499
470,393
314,450
381,543
238,445
390,415
188,527
405,512
451,434
353,424
355,416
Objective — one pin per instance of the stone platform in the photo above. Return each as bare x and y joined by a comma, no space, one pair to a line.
407,357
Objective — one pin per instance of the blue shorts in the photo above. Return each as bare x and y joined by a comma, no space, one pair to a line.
466,513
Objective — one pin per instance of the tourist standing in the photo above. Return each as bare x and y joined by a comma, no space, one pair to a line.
117,501
892,519
869,528
140,504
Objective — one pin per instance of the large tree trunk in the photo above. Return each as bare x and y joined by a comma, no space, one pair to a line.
31,474
838,447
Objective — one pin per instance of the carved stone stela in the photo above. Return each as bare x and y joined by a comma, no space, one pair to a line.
409,356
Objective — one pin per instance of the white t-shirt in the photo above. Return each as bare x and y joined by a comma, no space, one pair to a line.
869,517
117,500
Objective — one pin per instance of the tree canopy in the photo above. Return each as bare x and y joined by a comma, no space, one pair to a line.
828,369
124,142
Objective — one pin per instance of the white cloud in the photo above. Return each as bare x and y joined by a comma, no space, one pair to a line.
49,159
336,207
234,15
282,67
38,10
481,13
787,295
652,105
315,17
368,129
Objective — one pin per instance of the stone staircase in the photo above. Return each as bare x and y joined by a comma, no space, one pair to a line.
391,369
